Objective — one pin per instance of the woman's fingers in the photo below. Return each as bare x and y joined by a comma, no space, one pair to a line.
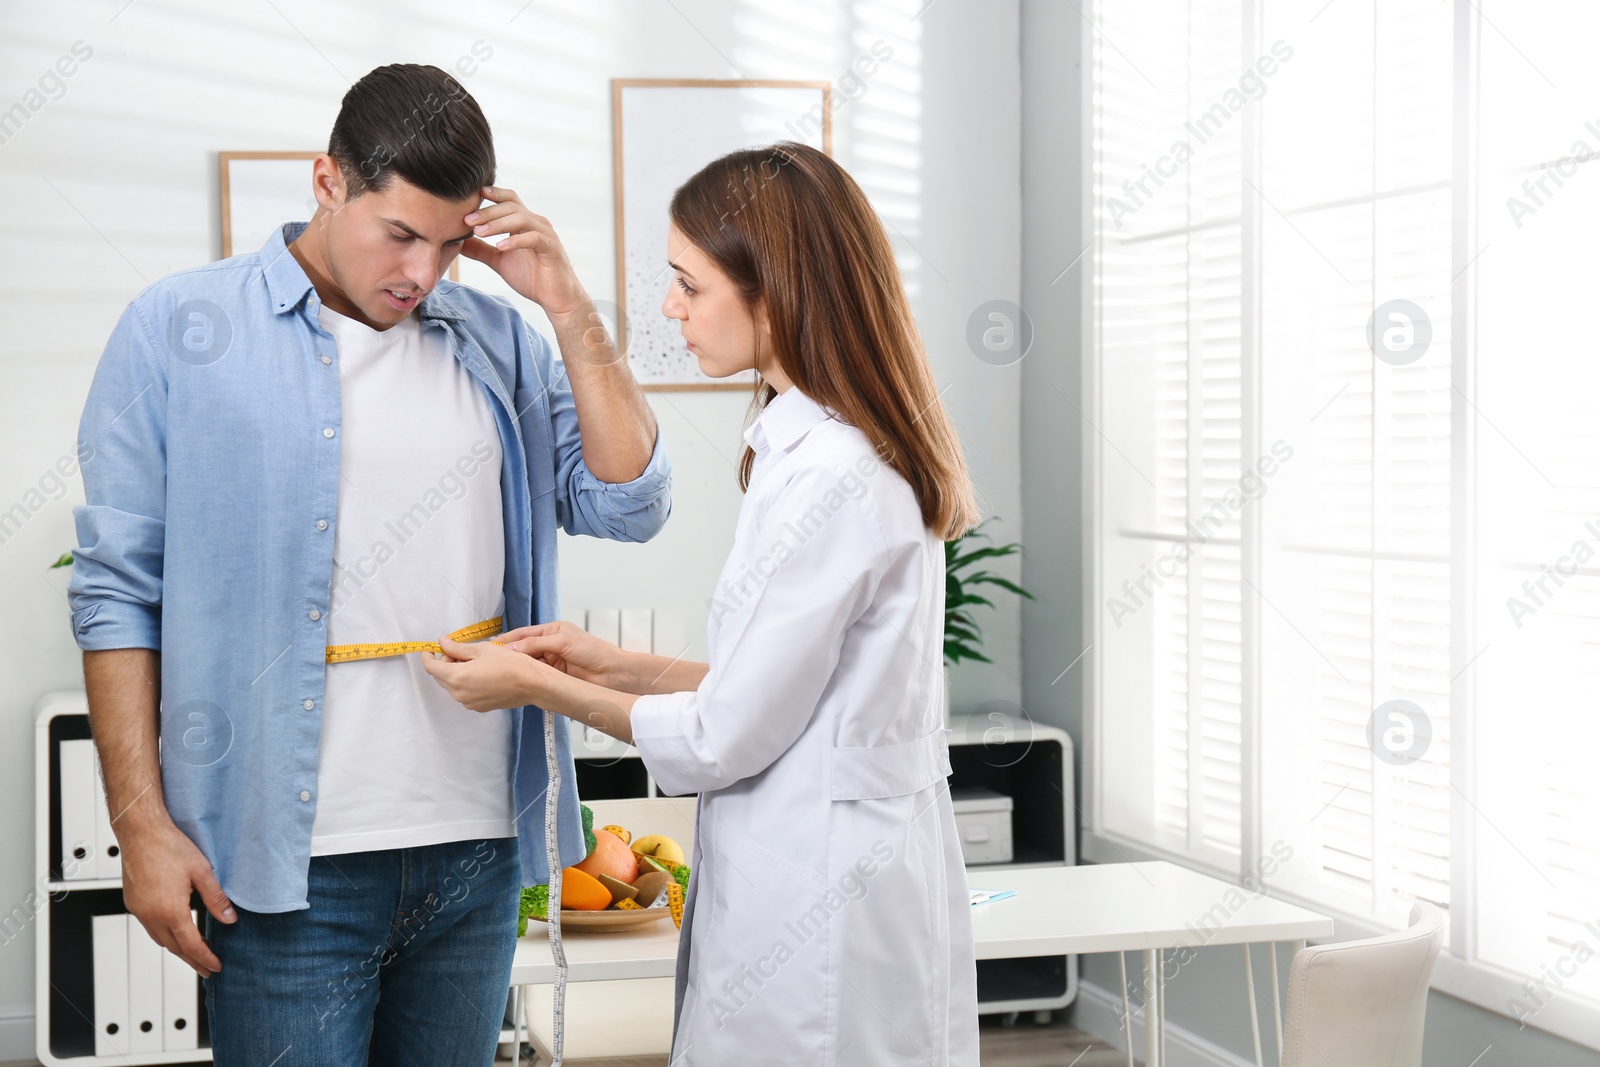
540,645
533,631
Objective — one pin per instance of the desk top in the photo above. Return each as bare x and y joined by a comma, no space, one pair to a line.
1121,907
1105,907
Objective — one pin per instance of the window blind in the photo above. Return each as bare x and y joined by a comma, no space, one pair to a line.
1345,491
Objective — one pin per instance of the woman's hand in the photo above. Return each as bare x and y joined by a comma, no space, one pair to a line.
487,677
577,652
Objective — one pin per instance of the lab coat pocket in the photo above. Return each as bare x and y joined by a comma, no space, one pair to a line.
889,938
763,956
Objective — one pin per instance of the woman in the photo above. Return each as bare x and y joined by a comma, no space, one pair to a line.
827,919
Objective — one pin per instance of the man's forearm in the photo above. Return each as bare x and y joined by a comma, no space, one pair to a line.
617,427
124,691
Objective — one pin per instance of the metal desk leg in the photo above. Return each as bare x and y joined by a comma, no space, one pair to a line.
1250,992
1127,1015
1161,1000
517,1001
1152,1008
1277,1002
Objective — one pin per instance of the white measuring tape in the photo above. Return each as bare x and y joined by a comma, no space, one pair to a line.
552,908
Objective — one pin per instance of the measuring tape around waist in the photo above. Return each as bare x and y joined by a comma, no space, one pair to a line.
380,649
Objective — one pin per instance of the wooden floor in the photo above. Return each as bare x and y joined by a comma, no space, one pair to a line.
1024,1045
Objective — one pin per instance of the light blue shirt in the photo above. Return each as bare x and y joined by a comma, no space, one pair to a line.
211,437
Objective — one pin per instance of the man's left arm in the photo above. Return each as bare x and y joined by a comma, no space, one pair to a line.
612,476
617,427
629,509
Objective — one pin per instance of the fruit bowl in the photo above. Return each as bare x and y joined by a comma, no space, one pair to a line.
608,919
606,889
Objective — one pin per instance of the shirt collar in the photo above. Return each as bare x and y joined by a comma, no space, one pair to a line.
787,418
288,284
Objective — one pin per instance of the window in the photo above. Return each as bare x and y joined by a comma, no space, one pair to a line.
1345,466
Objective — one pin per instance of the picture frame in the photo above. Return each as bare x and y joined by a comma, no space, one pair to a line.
663,131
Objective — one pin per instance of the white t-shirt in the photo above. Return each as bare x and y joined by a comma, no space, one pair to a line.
419,551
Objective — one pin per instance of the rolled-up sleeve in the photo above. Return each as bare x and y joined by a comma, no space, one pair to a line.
621,511
115,588
779,644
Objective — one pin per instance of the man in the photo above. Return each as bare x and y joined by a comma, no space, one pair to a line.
291,450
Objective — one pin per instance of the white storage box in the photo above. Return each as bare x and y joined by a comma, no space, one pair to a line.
983,821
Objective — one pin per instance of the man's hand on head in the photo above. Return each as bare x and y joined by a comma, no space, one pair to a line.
531,259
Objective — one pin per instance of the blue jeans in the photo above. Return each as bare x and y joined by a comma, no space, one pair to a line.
403,958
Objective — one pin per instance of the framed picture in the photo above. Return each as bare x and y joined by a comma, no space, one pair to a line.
261,191
664,130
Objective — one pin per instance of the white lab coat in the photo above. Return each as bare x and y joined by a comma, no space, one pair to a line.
828,919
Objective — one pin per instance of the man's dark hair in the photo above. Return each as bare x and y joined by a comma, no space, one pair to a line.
415,121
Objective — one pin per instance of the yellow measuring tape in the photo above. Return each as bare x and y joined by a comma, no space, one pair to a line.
378,650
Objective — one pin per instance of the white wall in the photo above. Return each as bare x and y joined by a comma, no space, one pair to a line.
113,184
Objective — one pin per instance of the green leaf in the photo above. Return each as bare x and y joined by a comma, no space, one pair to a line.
64,561
1004,583
536,903
983,553
962,637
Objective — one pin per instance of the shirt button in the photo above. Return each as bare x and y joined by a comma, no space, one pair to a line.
327,431
314,614
322,524
305,794
326,360
308,704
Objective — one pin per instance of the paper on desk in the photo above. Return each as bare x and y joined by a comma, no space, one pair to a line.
983,896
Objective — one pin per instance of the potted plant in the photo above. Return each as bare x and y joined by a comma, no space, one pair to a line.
962,638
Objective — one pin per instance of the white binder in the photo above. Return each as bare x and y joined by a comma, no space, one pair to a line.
180,991
145,1030
667,637
78,835
110,936
108,854
606,624
635,630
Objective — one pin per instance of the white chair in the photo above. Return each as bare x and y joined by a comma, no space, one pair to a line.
1361,1003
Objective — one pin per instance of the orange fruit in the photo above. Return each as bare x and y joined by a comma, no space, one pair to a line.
582,892
611,856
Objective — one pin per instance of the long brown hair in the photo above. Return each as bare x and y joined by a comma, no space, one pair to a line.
797,236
